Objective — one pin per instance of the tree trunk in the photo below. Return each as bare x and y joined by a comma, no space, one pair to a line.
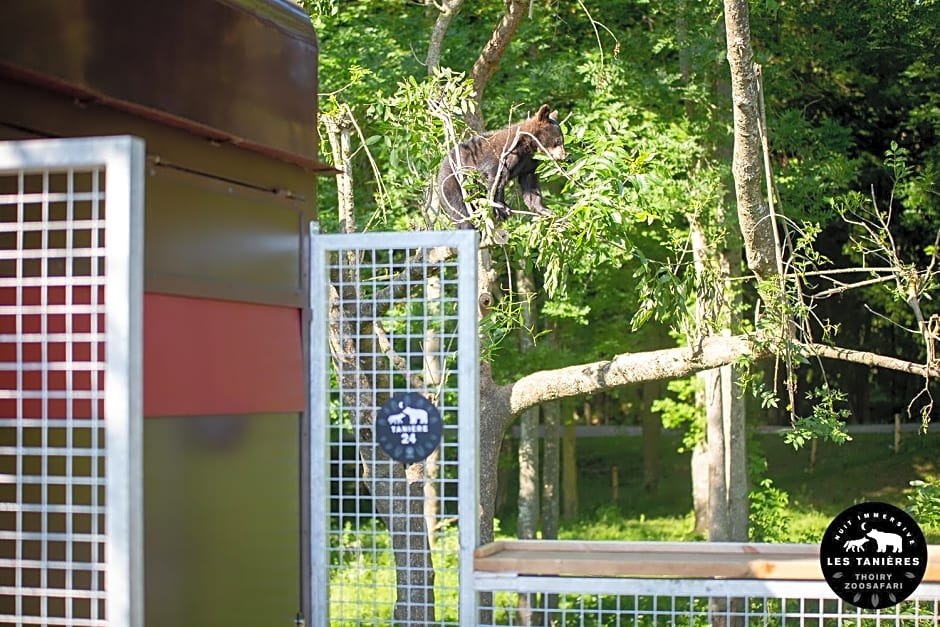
719,523
726,456
529,503
724,405
569,473
652,435
551,491
492,53
433,375
339,130
754,217
551,469
529,509
398,496
736,455
699,469
493,419
448,9
397,492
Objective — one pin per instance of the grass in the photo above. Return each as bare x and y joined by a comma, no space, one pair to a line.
363,577
865,469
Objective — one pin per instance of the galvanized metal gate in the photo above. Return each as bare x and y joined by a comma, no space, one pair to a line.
393,513
71,215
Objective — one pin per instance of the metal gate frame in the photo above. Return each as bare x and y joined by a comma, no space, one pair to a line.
464,243
94,564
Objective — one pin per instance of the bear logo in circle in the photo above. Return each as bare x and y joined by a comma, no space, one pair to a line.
885,540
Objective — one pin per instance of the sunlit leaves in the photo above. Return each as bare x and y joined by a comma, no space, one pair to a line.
827,421
647,129
418,123
924,500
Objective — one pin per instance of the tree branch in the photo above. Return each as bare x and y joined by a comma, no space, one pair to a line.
486,64
670,363
623,370
448,9
873,360
753,213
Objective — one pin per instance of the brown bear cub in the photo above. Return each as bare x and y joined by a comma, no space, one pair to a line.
499,157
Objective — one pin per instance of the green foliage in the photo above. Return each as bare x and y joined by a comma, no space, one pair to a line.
924,501
827,421
843,476
501,320
415,124
639,87
682,412
813,164
769,516
896,251
853,103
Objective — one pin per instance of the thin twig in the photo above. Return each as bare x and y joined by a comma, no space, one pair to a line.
844,287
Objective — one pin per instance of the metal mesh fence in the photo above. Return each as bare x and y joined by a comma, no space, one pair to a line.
69,384
569,601
393,426
394,519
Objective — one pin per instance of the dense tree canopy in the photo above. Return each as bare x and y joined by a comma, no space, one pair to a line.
750,195
644,92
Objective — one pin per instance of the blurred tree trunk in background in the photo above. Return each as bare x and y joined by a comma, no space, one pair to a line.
569,464
551,468
652,426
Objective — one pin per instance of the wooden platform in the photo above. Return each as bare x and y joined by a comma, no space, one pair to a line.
726,560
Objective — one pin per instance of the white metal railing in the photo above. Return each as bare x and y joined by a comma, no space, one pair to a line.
673,583
590,601
71,290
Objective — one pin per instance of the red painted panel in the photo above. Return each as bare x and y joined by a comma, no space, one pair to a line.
209,357
201,357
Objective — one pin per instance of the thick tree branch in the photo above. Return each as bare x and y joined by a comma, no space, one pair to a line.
754,214
623,370
628,368
486,64
448,10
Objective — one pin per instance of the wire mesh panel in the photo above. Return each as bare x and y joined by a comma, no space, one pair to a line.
394,412
589,602
70,381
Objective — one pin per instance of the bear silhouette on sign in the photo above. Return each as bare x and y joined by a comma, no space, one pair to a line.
885,540
415,416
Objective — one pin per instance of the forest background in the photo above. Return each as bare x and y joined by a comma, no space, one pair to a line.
851,95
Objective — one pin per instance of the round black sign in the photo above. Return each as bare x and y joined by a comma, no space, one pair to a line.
408,427
873,555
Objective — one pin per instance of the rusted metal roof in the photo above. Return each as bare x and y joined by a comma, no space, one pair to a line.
238,71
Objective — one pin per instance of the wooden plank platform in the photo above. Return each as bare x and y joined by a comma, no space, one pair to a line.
725,560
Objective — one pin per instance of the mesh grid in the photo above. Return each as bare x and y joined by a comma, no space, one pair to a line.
54,516
392,535
621,602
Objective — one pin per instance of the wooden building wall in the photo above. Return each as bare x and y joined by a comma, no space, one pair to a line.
224,94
